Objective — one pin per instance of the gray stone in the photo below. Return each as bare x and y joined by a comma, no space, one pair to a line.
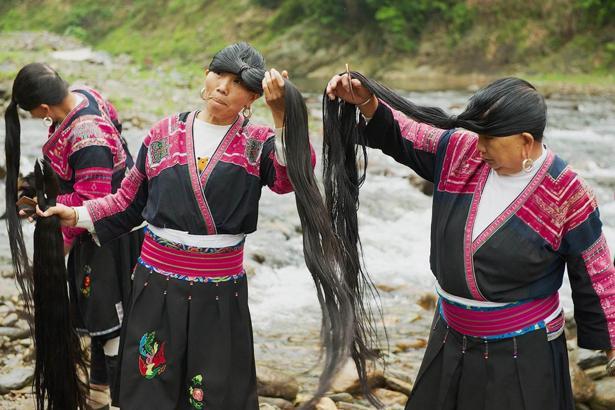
10,320
399,374
325,404
342,405
397,385
18,378
390,398
276,402
272,383
582,386
604,398
266,406
347,379
7,274
596,373
590,358
14,333
341,397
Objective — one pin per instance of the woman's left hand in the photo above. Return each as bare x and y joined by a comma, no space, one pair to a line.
273,87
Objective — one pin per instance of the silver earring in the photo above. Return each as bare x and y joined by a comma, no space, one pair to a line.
247,112
527,165
48,121
201,93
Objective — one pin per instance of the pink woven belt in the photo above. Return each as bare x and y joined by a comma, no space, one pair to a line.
503,321
170,257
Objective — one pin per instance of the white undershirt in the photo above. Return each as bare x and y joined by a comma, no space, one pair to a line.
500,191
207,137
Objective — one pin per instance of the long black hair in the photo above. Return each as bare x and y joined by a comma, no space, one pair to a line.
343,319
35,84
505,107
59,354
60,359
342,150
321,247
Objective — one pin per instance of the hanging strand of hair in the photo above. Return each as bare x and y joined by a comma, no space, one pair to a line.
60,360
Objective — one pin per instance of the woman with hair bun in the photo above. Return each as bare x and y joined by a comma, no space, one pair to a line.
197,182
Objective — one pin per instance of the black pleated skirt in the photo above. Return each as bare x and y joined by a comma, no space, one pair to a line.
187,345
522,373
99,280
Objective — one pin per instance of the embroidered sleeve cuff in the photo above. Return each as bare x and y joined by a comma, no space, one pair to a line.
85,220
279,146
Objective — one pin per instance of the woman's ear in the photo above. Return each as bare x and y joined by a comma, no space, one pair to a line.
44,110
528,138
254,97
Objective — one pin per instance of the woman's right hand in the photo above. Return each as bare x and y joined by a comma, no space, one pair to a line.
67,214
340,87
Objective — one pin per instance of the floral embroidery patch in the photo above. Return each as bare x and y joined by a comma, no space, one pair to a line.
151,356
196,392
158,150
202,163
253,150
86,284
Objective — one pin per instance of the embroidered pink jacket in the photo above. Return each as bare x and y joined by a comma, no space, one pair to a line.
87,152
553,225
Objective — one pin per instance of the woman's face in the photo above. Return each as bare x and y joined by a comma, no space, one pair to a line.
505,154
226,96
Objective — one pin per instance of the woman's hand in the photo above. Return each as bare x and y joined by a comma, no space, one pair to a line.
610,354
340,87
273,87
67,214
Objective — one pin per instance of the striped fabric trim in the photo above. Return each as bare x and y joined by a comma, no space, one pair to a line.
187,261
199,279
507,321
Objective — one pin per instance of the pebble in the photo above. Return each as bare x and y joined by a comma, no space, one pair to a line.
16,379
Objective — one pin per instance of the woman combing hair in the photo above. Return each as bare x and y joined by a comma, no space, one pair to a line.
197,182
509,218
85,149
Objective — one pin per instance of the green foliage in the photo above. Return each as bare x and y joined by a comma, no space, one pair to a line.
399,23
270,4
597,12
496,32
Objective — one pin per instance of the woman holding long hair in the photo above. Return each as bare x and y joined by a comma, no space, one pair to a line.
85,148
509,216
197,182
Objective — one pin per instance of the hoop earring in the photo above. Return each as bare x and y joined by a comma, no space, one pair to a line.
48,121
527,165
201,94
247,112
